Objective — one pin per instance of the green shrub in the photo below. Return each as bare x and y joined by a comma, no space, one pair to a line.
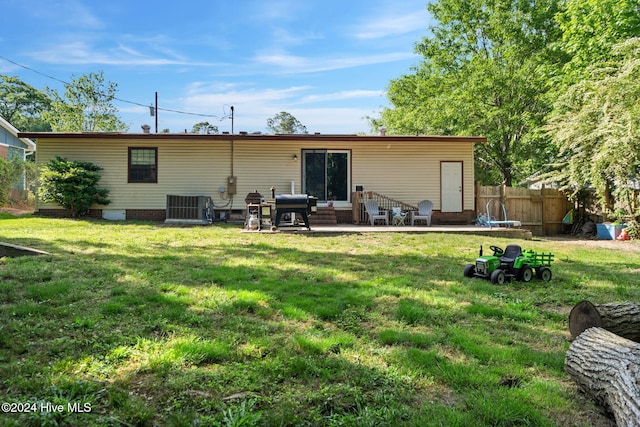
73,185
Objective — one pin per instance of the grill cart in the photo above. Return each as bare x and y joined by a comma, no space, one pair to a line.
295,204
510,263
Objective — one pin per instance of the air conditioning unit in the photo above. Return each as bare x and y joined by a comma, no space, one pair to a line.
189,210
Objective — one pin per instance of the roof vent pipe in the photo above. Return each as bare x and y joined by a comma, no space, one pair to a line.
146,128
382,130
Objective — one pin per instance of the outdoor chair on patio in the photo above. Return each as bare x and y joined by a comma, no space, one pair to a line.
424,212
398,216
375,213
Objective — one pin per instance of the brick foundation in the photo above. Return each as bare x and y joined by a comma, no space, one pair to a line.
147,214
132,214
344,217
452,218
66,213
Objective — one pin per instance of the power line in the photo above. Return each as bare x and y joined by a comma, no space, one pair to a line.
116,98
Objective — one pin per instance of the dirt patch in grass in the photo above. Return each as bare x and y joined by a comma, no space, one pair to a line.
618,245
17,209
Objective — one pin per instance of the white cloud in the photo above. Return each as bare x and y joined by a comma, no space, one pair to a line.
82,52
384,26
291,64
342,95
284,37
253,106
255,98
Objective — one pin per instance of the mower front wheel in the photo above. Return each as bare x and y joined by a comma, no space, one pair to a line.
469,270
497,277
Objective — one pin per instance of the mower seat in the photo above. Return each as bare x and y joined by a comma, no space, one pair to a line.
511,252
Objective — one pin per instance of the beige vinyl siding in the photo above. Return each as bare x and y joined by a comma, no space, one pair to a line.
407,171
183,168
404,170
260,165
410,172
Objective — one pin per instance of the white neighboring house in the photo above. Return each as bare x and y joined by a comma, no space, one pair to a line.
12,146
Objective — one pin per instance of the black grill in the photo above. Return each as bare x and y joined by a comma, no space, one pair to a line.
295,204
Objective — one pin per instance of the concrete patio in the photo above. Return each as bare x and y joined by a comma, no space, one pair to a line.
503,232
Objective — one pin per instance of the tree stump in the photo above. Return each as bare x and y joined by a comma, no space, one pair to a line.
607,367
620,318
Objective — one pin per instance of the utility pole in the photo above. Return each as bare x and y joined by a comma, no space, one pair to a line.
232,120
156,112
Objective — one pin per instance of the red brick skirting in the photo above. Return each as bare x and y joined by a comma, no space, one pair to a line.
147,214
140,214
66,213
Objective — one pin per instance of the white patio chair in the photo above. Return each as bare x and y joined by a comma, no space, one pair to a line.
425,207
375,213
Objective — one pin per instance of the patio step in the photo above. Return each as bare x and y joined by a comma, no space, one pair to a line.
324,216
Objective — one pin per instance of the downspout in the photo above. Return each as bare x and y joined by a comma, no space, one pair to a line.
232,145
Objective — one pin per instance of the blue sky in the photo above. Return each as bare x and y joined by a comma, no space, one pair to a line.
326,62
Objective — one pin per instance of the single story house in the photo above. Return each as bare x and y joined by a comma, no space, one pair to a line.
140,170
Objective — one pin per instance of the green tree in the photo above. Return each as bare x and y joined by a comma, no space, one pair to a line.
485,72
205,128
73,185
590,28
22,105
285,123
86,106
595,125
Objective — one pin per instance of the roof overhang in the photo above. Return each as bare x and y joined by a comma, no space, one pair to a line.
250,137
31,146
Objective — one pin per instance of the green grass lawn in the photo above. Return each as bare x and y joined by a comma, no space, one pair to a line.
138,324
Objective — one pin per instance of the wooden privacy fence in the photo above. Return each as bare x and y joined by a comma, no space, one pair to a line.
540,211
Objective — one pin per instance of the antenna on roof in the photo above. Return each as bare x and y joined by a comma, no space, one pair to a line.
232,120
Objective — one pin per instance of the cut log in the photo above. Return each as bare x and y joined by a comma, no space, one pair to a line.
607,367
620,318
583,316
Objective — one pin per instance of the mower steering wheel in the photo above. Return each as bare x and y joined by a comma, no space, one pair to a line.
496,250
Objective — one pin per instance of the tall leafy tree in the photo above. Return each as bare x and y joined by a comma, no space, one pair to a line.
590,28
485,72
22,105
86,106
285,123
595,125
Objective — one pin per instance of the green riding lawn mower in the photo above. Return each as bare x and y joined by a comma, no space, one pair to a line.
509,264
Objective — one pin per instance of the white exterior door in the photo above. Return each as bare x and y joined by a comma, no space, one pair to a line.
451,186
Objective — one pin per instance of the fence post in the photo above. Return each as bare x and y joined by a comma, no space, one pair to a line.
476,199
543,193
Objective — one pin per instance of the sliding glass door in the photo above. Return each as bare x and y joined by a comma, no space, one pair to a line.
326,174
